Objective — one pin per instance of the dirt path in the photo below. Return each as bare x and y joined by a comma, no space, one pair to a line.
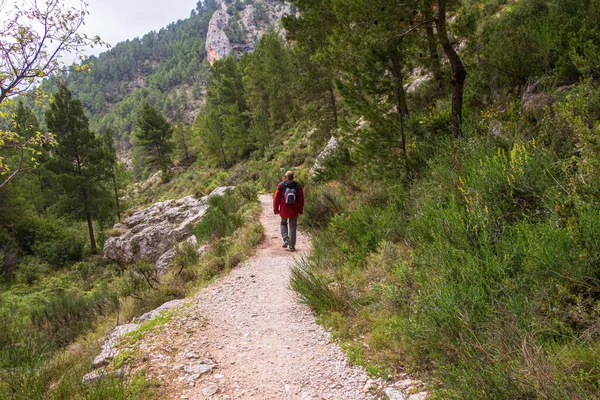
246,336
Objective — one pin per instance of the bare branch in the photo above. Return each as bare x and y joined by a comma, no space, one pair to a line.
34,38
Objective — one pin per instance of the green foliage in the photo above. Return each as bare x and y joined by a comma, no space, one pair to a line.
222,217
224,125
24,362
161,68
154,138
79,164
267,73
50,239
64,316
314,289
484,265
118,388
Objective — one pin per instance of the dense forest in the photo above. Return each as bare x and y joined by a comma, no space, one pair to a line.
456,224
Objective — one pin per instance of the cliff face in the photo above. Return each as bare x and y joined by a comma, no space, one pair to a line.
217,42
237,28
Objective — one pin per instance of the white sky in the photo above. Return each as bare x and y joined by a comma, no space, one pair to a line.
118,20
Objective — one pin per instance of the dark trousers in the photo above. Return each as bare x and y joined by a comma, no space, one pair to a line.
289,235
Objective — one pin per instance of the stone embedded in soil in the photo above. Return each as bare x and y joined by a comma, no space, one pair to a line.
393,394
198,368
210,389
191,354
109,348
101,374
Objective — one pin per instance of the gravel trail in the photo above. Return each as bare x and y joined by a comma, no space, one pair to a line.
247,336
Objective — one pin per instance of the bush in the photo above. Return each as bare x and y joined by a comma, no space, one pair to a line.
49,239
222,217
314,289
9,256
64,316
32,269
24,360
322,204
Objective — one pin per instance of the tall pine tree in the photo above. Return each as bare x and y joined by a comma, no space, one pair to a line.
78,160
154,137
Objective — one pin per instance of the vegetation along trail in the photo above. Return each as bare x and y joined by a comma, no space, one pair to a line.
253,335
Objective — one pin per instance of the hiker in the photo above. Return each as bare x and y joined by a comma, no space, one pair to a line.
288,202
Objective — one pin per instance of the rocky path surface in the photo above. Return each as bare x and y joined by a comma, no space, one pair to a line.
246,336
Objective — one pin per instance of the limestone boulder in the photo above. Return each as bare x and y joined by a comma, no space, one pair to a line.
151,232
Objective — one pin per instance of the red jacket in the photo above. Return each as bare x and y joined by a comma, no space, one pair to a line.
288,210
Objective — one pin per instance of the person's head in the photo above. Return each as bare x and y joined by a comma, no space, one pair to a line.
289,176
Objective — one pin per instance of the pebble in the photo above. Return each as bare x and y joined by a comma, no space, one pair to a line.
210,389
191,355
393,394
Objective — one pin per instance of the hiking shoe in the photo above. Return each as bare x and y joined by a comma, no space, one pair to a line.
292,248
285,244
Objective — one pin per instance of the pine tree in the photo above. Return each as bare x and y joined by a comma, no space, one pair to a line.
78,160
114,169
154,138
267,76
224,126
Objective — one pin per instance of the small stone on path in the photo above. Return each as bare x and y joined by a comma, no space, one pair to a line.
210,389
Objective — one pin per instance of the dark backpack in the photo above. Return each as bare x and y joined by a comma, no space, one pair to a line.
290,194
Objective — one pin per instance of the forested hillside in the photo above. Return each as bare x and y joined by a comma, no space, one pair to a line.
455,217
166,68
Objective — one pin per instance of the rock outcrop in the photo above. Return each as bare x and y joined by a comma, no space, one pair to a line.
331,147
251,22
151,232
217,43
110,347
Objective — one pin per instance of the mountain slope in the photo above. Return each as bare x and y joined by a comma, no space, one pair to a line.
166,68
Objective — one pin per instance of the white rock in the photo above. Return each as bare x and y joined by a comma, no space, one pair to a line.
100,374
332,145
198,369
393,394
151,232
154,313
418,396
210,389
217,43
109,348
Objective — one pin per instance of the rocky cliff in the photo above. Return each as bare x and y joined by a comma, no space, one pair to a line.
236,27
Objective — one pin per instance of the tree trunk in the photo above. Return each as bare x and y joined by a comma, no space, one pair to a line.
333,106
434,57
86,208
185,146
114,178
90,223
401,106
459,73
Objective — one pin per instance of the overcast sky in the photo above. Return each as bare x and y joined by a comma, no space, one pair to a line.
118,20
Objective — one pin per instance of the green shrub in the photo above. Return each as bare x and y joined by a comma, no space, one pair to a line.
49,239
222,217
32,269
186,256
9,256
314,288
64,316
322,204
119,388
24,360
216,224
